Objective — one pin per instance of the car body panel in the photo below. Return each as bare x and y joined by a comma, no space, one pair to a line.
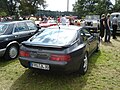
76,49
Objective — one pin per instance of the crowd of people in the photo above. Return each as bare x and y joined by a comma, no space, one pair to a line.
105,25
6,18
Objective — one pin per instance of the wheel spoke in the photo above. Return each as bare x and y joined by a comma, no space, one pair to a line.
13,52
85,63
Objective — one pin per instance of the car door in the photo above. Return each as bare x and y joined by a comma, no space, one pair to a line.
21,32
90,39
7,36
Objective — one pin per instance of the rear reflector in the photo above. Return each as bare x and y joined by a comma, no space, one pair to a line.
60,57
24,54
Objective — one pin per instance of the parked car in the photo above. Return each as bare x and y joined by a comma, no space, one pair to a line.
12,34
47,23
91,21
60,48
111,17
77,22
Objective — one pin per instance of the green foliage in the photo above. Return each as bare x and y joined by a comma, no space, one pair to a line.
3,13
24,7
84,7
117,6
31,6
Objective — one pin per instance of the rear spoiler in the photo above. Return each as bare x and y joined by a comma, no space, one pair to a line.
40,45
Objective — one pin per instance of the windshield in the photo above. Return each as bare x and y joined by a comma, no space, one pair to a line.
92,17
55,37
112,16
3,27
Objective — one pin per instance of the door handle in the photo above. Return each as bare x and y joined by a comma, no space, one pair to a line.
31,33
16,36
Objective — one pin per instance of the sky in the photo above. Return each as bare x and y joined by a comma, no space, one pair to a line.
61,5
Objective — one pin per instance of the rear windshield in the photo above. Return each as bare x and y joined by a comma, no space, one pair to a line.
56,37
3,27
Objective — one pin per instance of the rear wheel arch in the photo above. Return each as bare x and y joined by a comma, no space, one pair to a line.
12,51
84,64
13,42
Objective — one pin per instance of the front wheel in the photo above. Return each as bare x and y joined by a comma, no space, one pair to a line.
84,65
11,52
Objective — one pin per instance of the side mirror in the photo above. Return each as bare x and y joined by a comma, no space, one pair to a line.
38,27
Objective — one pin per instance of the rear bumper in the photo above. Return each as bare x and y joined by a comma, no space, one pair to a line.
54,65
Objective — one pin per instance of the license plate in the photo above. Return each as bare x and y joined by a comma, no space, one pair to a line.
40,66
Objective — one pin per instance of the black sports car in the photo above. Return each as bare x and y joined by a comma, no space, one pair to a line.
61,48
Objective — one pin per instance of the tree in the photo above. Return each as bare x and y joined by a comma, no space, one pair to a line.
28,7
117,6
11,7
3,9
84,7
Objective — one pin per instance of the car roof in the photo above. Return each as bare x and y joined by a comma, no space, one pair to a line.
12,22
115,13
66,27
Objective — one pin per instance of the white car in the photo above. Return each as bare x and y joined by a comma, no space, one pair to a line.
91,21
114,15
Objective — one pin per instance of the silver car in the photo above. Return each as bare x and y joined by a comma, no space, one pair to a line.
112,16
91,21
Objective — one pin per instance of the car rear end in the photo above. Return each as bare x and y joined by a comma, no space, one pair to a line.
54,57
45,58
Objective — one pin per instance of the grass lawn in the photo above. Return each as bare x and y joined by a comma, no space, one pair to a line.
103,74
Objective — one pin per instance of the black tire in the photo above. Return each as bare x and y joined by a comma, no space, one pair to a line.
84,65
11,52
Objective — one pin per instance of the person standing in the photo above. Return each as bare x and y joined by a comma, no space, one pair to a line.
114,26
108,24
58,19
63,20
102,26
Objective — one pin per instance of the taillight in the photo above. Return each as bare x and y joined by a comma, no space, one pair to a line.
51,25
24,54
60,57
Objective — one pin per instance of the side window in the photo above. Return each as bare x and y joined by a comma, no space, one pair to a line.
21,27
85,32
31,26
